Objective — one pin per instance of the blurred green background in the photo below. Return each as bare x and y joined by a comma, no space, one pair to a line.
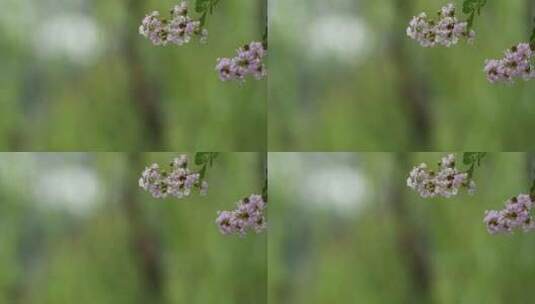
76,75
76,228
345,228
344,76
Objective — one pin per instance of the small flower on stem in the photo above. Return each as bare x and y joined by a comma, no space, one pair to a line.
515,215
179,30
517,63
248,61
445,183
446,31
179,181
248,216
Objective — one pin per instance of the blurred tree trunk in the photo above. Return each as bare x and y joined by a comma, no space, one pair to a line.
411,87
145,98
412,242
145,242
143,93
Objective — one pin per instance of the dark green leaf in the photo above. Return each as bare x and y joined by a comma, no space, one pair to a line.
202,158
468,158
468,6
202,5
532,189
532,37
471,8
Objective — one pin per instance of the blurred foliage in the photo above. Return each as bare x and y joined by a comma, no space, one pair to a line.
391,246
348,78
124,246
76,75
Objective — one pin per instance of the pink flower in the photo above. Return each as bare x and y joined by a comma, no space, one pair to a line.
179,30
248,216
179,181
444,183
515,215
248,61
446,31
517,63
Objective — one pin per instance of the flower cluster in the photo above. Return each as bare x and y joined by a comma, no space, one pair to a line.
516,214
178,30
446,182
248,215
248,61
446,31
516,63
178,182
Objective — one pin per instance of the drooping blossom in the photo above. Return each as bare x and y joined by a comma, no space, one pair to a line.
517,63
178,30
248,61
445,31
247,216
515,215
446,182
179,181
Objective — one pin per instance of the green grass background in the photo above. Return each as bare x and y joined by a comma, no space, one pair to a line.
123,246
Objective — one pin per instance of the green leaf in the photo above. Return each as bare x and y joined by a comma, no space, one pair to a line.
205,158
205,7
468,158
473,160
202,5
471,8
532,37
202,158
468,6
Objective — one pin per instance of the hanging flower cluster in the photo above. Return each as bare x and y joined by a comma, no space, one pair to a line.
178,30
445,183
248,61
446,31
248,215
179,181
517,63
515,215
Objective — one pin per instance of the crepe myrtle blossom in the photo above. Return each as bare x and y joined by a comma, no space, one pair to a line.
179,181
247,216
248,61
178,30
515,215
445,31
446,182
517,63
